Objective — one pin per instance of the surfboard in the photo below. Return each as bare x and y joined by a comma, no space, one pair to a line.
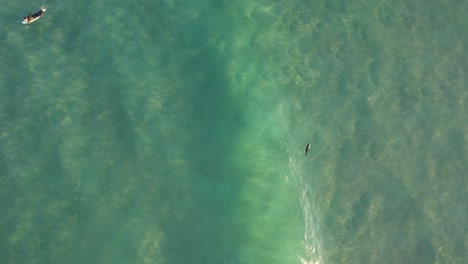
25,21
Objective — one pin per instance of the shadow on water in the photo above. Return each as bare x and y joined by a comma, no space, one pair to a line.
200,226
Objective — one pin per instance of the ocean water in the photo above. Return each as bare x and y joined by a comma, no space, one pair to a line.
174,131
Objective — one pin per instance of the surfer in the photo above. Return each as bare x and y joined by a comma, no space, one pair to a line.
307,149
33,17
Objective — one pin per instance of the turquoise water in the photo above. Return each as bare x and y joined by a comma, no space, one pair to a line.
174,132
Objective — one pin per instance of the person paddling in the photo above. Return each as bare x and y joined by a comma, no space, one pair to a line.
307,149
33,17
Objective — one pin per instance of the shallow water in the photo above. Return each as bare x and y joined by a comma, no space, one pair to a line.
178,136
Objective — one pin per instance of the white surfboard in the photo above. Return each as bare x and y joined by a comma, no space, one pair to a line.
25,21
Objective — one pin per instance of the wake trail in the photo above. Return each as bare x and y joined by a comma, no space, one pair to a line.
297,164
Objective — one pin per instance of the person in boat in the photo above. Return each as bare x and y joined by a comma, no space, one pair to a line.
34,16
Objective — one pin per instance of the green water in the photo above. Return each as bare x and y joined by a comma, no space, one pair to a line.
174,132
